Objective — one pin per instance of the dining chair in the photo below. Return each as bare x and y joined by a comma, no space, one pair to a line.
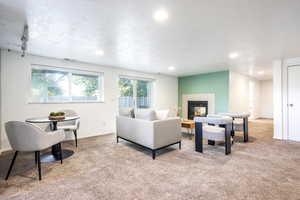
70,125
26,137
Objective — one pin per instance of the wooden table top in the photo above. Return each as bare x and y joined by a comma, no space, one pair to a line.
188,122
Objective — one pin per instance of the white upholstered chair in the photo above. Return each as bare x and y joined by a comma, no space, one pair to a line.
239,123
213,128
27,137
70,125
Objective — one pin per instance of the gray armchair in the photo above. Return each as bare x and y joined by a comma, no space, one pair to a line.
27,137
70,125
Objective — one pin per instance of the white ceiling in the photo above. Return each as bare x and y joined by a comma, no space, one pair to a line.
197,37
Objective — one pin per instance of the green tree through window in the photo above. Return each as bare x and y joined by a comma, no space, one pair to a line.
135,93
62,86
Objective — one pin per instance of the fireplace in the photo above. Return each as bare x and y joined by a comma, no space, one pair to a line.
197,109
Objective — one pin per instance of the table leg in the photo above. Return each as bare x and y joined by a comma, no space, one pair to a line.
245,119
54,155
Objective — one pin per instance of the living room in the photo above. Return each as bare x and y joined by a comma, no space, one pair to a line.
147,100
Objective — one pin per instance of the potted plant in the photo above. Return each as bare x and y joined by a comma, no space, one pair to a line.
57,115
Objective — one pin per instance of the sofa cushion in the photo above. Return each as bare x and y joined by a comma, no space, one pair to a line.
149,115
162,114
126,112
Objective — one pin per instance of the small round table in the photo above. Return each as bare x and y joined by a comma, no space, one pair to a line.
54,155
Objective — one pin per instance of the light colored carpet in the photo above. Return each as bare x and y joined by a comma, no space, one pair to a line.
101,169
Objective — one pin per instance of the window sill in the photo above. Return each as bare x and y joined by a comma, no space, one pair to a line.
70,102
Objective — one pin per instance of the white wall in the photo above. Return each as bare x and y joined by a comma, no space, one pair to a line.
280,95
244,94
96,118
0,102
266,99
277,100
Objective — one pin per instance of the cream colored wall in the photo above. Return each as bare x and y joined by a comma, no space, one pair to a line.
244,94
266,99
96,118
0,103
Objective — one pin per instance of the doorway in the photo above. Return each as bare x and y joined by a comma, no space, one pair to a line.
294,103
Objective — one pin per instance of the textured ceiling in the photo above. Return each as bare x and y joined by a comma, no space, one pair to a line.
197,37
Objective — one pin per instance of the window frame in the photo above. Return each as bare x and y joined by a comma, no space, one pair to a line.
135,78
70,71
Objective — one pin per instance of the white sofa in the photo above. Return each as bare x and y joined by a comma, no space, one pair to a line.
153,135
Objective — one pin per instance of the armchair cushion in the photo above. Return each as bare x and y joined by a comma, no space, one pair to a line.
214,133
238,124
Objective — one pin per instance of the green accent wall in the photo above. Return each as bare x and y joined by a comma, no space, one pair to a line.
216,83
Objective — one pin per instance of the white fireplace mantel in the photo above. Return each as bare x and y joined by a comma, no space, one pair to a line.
210,98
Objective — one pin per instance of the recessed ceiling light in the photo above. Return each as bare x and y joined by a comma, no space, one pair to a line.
161,15
171,68
100,52
261,72
233,55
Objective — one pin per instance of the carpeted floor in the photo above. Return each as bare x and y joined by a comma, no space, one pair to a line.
101,169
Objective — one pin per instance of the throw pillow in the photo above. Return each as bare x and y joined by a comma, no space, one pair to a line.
162,114
149,115
126,112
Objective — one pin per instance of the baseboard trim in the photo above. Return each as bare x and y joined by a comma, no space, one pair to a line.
6,150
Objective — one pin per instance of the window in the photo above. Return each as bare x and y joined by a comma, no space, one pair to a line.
135,93
55,85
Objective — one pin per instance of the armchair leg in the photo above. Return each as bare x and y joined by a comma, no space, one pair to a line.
39,164
117,139
179,145
198,137
153,154
75,134
36,158
11,165
227,144
61,154
232,128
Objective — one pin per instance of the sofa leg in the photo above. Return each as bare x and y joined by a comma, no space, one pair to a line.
179,145
36,158
153,154
117,139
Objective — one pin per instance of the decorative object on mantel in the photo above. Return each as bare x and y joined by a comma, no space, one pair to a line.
57,116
